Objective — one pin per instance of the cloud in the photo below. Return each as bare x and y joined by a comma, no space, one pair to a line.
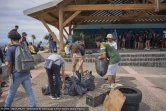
11,14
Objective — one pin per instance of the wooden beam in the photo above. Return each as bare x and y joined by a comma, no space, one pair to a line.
157,5
77,24
49,30
121,17
53,16
112,7
66,31
61,27
70,18
70,28
65,2
75,2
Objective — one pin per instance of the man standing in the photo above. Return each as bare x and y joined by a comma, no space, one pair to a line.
110,41
114,34
17,78
39,45
51,44
112,54
23,40
15,29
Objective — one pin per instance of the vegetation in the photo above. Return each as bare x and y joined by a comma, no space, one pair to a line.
46,37
33,38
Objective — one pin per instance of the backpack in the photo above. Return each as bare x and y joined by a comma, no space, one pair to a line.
149,36
36,49
23,59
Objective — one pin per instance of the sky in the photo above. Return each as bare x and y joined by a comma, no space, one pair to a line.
11,14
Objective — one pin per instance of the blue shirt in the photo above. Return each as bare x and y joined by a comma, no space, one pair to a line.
11,58
114,35
38,45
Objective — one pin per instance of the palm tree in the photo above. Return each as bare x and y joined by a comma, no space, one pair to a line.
46,37
33,38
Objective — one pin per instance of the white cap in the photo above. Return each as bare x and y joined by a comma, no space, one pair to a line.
109,36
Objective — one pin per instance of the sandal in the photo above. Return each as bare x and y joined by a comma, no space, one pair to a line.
4,84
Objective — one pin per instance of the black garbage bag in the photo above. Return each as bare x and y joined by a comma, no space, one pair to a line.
74,87
45,90
88,81
101,66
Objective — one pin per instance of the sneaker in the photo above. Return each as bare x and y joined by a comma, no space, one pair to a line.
145,49
148,49
53,97
106,78
58,97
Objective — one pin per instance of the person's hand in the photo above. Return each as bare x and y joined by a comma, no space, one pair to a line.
63,86
99,57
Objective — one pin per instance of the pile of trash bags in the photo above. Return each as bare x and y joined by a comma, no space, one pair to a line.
75,86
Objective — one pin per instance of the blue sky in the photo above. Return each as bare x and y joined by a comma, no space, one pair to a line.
11,14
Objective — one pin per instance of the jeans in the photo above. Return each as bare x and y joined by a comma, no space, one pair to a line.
54,85
51,46
26,82
128,43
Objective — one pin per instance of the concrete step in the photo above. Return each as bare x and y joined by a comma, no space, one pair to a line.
143,59
144,64
124,55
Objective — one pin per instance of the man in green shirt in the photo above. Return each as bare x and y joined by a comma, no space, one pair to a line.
112,55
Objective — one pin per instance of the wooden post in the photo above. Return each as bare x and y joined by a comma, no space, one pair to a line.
70,28
61,28
71,18
49,30
66,31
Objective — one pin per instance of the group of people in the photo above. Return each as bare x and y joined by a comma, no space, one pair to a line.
140,40
54,64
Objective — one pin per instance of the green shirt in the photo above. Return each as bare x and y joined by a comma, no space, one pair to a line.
111,53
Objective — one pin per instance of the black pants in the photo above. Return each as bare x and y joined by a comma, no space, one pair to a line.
54,87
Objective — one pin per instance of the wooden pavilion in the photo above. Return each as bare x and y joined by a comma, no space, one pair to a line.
71,13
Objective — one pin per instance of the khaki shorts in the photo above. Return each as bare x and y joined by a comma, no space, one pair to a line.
112,69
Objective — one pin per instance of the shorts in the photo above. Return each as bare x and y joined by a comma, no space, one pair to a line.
147,40
112,69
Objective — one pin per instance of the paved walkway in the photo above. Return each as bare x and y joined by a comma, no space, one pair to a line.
151,81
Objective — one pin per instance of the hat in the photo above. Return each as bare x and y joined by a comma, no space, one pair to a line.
24,33
109,36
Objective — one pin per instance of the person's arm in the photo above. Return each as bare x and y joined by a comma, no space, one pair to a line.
10,60
103,51
63,72
63,77
10,66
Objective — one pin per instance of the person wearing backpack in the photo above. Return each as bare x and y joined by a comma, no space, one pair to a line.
18,77
109,52
149,37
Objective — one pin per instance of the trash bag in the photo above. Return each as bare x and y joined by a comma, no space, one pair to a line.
74,87
101,66
88,81
45,90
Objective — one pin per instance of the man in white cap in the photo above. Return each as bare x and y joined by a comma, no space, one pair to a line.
110,41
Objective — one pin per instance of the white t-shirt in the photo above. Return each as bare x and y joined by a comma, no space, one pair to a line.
113,44
55,57
77,55
67,51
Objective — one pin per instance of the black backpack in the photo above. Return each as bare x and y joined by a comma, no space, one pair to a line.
36,49
149,36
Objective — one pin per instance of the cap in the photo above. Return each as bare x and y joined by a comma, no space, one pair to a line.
24,33
109,36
